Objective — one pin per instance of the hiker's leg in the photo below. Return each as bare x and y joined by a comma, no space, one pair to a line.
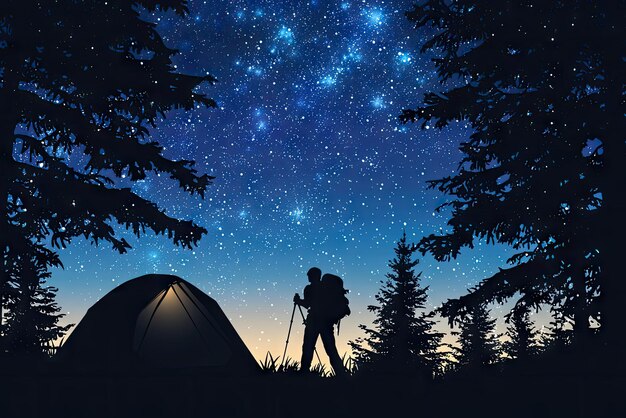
328,338
308,346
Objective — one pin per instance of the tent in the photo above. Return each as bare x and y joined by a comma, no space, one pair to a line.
156,321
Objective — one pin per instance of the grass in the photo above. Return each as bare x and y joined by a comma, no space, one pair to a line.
271,364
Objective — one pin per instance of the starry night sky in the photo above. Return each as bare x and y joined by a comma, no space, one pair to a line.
312,165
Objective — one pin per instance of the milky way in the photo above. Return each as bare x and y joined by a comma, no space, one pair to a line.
312,165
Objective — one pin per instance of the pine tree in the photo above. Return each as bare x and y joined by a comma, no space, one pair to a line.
402,340
478,342
82,82
33,319
542,85
558,334
522,343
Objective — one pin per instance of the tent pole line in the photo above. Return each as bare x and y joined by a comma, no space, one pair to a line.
143,337
203,314
208,343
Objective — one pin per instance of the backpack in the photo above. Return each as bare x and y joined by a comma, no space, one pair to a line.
334,298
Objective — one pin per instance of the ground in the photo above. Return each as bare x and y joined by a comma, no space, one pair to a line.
52,393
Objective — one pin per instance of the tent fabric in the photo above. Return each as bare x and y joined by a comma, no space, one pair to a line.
157,322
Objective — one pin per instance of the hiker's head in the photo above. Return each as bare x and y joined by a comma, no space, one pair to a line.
314,274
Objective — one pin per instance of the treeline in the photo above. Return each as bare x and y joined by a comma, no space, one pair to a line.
403,339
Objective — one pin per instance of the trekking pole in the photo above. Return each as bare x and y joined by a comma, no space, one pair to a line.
288,334
304,322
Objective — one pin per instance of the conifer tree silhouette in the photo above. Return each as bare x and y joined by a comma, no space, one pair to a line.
542,86
522,343
81,84
33,314
403,340
478,342
558,334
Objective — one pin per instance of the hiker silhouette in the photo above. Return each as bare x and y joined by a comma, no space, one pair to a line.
325,308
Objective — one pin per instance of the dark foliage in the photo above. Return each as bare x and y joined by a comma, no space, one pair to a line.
33,315
557,335
542,85
478,342
81,84
522,343
402,340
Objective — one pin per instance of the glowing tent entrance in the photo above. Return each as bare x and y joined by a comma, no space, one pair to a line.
152,322
174,326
